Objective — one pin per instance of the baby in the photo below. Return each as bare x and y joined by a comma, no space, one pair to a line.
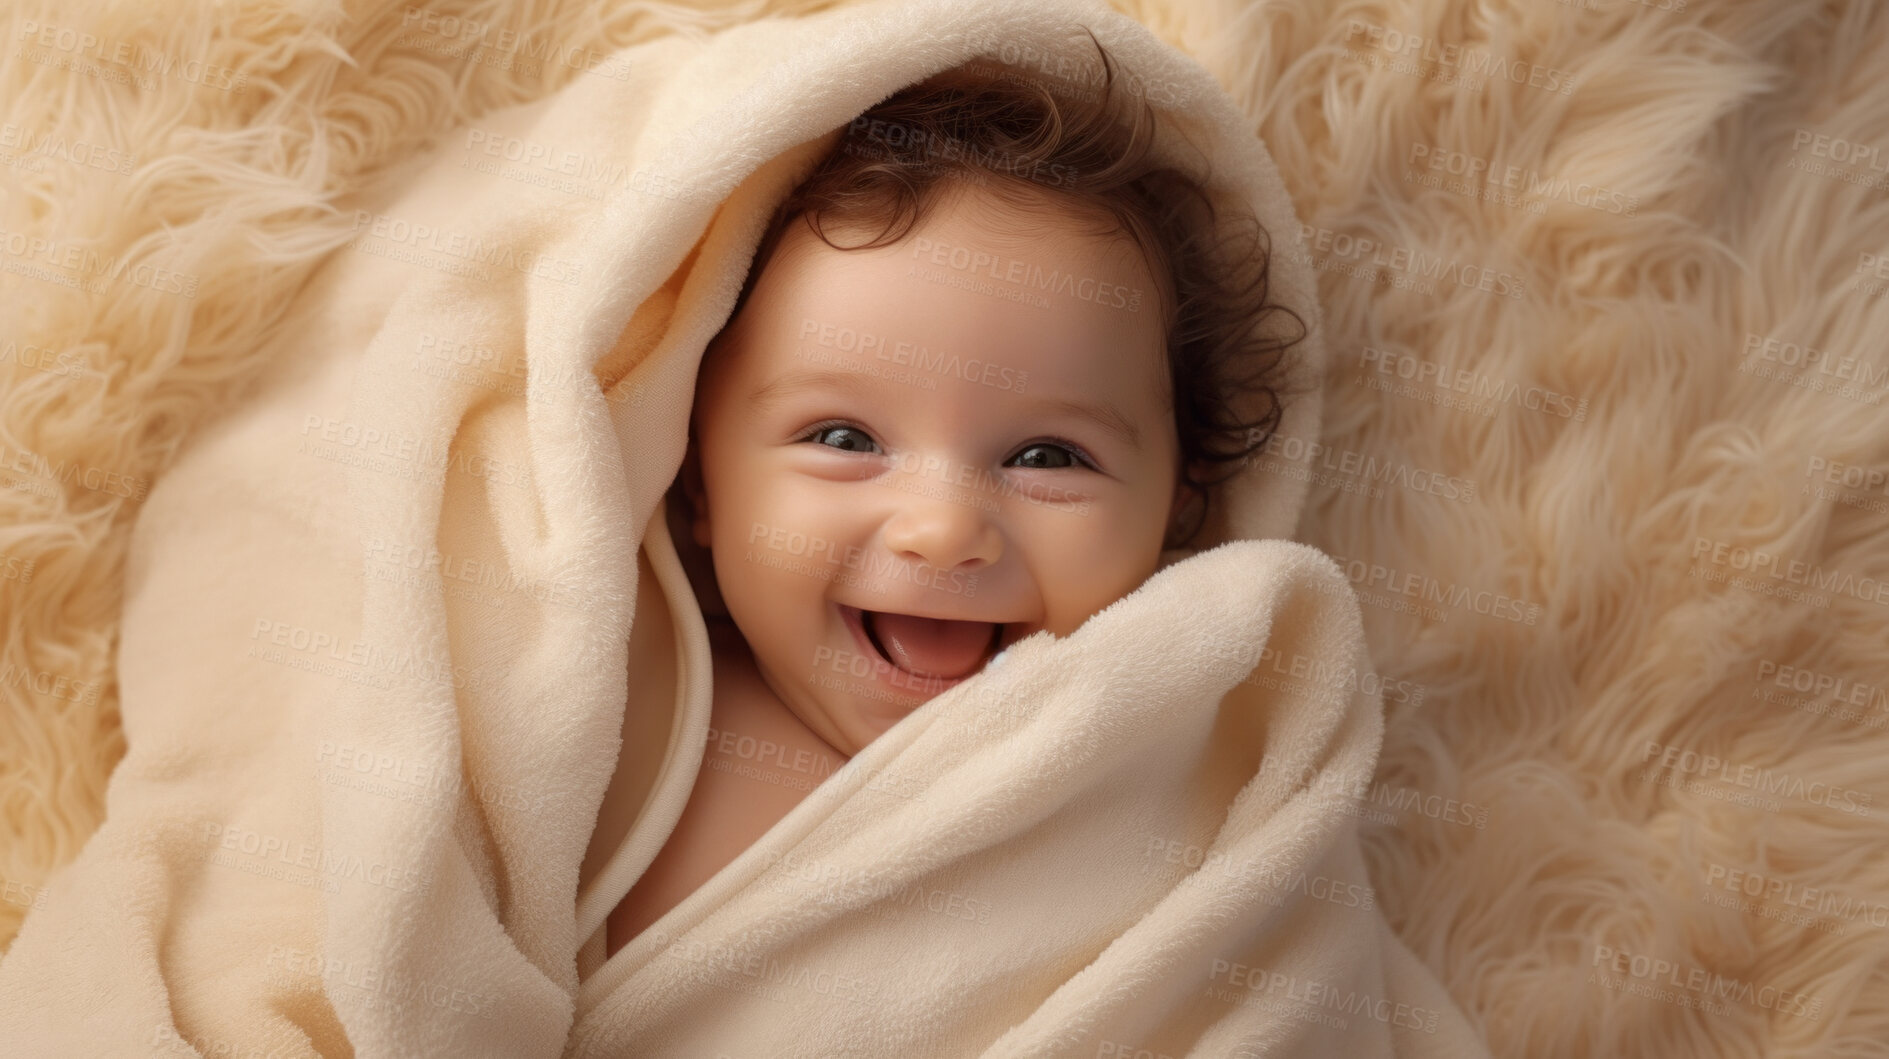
979,421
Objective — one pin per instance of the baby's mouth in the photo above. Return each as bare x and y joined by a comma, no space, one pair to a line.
943,648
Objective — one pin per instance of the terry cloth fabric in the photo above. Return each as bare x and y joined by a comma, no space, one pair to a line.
390,620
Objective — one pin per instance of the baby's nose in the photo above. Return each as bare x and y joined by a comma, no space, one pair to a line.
945,532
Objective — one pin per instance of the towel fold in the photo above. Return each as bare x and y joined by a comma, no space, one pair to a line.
1134,840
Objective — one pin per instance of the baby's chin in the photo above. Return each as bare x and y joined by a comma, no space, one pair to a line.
856,711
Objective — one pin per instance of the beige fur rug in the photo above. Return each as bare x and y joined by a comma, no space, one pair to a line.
1605,442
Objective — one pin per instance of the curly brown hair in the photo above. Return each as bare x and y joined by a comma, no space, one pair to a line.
1085,148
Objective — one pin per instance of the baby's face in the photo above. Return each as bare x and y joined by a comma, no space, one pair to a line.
886,434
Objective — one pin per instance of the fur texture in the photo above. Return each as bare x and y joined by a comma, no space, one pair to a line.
1549,590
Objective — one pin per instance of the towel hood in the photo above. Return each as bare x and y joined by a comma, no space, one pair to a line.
682,271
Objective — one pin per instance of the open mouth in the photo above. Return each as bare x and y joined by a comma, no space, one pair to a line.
935,652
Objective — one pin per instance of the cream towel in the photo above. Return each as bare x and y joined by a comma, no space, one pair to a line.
378,655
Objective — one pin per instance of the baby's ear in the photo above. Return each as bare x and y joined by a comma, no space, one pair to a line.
1186,498
691,546
697,497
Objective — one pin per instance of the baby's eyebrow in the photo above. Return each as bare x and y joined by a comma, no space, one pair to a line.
1104,415
781,387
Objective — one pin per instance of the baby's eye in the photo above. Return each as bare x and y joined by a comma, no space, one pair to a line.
855,432
1074,458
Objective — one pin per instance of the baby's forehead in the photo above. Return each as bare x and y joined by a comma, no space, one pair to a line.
941,283
1039,293
1061,271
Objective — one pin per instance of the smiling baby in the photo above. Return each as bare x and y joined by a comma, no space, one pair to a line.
981,358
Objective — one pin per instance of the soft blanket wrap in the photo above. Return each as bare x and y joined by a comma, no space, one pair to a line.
392,623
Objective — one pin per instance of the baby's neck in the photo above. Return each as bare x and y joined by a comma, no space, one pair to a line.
743,703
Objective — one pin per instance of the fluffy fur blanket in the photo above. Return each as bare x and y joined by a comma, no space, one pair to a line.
1602,450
